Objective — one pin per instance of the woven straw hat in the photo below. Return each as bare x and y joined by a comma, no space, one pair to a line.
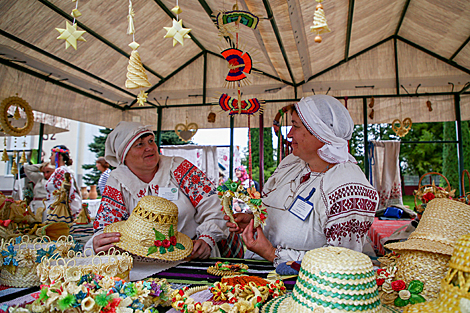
443,222
331,279
455,294
151,228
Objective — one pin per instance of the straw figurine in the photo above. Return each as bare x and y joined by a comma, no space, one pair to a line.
320,25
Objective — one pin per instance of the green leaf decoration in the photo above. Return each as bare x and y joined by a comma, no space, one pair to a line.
171,231
171,249
415,286
158,235
162,250
180,246
256,201
416,299
399,302
152,250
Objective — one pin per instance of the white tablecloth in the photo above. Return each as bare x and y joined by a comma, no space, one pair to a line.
93,206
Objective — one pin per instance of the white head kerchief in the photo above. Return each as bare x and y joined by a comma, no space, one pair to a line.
120,140
328,120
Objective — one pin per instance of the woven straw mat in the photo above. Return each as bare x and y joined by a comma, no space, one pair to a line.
331,279
137,232
442,223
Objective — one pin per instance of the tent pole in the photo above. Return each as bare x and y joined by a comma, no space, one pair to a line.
204,82
366,142
261,152
230,174
41,134
458,135
159,126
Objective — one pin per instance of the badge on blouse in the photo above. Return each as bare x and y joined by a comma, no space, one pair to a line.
169,193
302,207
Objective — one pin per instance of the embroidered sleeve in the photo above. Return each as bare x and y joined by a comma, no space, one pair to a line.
112,209
54,182
203,196
350,211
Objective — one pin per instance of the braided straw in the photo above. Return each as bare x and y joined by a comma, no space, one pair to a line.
331,279
455,287
443,222
137,233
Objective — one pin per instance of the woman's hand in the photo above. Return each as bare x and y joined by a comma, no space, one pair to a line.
104,241
201,250
259,245
242,219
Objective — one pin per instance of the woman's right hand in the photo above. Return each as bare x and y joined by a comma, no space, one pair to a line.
104,241
242,219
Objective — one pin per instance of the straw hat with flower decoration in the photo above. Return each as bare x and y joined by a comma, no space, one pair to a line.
151,231
455,287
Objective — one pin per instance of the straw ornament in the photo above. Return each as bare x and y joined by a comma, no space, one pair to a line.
320,25
227,269
130,18
177,32
70,33
142,98
136,76
151,231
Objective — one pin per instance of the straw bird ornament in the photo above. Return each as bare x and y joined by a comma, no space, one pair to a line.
71,35
177,32
136,76
320,25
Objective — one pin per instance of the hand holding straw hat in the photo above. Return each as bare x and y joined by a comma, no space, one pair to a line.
151,231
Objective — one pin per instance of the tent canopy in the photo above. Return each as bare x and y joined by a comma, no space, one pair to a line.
378,47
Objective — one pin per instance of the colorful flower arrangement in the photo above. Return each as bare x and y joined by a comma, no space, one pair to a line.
239,298
429,193
101,294
162,244
230,190
227,268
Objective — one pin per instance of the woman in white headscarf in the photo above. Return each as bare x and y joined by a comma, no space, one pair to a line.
141,171
317,196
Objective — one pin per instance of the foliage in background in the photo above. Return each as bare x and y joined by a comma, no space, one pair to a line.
169,137
450,165
269,162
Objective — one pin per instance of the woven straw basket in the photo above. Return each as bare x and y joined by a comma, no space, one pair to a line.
21,256
455,287
138,235
112,264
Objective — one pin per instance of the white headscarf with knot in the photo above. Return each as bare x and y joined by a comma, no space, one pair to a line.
328,120
120,141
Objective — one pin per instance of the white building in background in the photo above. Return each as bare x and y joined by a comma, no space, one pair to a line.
77,139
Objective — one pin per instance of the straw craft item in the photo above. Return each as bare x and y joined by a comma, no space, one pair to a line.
20,257
426,193
151,231
455,287
331,279
227,269
443,222
111,264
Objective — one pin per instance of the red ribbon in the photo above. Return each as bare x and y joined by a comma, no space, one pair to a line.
5,223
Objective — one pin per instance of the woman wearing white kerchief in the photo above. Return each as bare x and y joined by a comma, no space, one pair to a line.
317,196
141,171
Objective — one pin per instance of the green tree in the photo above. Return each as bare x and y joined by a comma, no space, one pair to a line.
269,162
97,147
169,137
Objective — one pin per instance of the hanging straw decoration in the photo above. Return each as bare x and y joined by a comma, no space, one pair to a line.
177,32
70,33
136,76
5,157
23,159
319,22
14,166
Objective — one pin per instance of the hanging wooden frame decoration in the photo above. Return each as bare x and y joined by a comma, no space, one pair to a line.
186,131
70,33
403,126
320,26
7,126
136,76
177,31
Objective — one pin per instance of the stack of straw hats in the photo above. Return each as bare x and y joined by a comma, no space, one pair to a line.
153,223
426,253
331,279
455,294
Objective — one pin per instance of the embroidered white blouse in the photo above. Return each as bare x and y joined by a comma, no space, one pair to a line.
344,205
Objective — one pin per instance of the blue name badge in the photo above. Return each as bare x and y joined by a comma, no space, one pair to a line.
302,207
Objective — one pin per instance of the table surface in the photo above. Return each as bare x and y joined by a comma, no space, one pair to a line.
383,228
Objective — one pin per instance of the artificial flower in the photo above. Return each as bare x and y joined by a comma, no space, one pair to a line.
87,304
56,272
66,302
398,285
73,274
102,299
428,197
130,290
380,281
9,256
410,295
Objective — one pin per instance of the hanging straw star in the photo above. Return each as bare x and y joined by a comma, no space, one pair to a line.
130,17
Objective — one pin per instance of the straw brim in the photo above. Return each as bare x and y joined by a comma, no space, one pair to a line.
421,245
134,246
285,304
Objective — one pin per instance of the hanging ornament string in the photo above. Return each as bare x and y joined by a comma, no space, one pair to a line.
75,13
70,33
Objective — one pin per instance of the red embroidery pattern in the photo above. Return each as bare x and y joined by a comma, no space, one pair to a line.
352,197
141,193
346,229
112,209
193,182
386,195
155,189
207,236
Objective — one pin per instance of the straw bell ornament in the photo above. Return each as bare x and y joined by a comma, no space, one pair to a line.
5,157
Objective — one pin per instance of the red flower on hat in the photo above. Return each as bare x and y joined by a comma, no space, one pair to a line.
173,240
398,285
428,197
157,243
380,281
166,243
380,271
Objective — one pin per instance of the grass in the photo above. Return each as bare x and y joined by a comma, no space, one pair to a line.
409,201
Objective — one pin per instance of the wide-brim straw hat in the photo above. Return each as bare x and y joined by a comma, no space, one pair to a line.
455,294
139,233
331,279
442,223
